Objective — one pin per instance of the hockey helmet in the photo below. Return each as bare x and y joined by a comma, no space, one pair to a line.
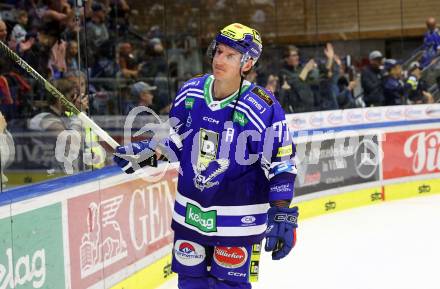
240,37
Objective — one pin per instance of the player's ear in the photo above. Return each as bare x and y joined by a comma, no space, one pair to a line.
247,66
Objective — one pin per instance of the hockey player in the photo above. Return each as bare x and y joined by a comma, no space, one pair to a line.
237,170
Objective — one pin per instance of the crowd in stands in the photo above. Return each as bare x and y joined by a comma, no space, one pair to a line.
60,39
95,58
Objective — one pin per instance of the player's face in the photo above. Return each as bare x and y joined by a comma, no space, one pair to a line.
226,63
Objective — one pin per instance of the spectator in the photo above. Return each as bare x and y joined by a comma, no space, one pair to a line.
416,89
155,63
38,54
371,80
431,42
72,55
56,15
272,85
393,85
57,59
345,95
7,150
3,31
105,65
298,95
53,120
97,30
345,88
119,16
329,75
79,79
19,31
143,94
128,64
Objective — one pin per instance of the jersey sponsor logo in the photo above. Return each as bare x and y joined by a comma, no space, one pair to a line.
211,120
230,257
284,151
240,118
248,220
189,253
191,83
208,141
204,221
280,188
189,103
254,268
263,95
236,274
284,167
254,102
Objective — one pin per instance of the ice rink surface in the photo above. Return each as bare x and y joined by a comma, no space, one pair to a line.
393,245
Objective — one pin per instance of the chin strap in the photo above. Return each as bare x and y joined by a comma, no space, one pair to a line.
239,92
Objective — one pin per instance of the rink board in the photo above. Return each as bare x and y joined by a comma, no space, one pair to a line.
104,229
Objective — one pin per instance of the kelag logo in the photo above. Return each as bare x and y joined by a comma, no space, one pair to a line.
204,221
36,258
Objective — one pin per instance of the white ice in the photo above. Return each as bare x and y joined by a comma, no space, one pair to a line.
393,245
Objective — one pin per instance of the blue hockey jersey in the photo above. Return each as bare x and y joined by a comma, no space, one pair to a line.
235,157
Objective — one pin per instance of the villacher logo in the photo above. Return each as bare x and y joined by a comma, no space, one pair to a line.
230,257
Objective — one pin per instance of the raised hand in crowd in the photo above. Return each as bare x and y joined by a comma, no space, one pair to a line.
329,51
310,65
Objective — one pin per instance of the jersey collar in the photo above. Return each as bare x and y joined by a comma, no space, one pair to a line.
219,104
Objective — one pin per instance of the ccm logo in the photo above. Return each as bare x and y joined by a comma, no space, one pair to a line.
248,219
285,217
208,119
237,274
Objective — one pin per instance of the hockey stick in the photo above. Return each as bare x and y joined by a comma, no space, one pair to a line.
58,95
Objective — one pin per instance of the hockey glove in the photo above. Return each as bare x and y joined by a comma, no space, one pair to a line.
135,156
281,231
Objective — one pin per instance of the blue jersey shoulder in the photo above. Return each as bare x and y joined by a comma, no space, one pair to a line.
195,82
260,100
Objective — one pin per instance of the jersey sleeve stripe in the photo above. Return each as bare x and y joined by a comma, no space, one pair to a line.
188,90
